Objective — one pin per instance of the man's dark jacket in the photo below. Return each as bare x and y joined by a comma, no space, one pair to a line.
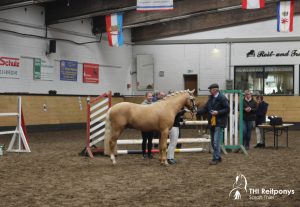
251,115
220,104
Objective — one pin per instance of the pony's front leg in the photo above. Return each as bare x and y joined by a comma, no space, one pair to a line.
160,149
163,146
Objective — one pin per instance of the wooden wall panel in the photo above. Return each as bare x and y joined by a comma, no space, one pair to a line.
116,100
67,109
58,109
288,107
8,104
135,99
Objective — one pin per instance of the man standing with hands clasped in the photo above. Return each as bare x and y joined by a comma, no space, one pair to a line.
217,108
250,107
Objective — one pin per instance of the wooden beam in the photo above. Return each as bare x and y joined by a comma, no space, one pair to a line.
183,7
60,11
205,22
8,2
133,18
11,4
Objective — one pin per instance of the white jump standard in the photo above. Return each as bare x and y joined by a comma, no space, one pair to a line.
233,137
18,142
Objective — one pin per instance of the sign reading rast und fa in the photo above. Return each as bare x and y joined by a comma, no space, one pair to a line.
271,53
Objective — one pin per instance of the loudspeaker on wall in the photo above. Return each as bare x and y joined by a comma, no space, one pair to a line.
52,46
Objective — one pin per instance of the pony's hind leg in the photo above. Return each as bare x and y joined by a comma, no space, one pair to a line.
112,146
113,143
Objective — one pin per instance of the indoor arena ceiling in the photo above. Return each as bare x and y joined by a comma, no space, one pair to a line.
188,16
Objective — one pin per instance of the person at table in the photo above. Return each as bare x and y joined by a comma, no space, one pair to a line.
250,107
262,108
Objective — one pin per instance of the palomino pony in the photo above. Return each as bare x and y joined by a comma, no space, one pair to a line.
158,116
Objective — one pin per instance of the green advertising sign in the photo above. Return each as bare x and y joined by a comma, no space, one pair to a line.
37,68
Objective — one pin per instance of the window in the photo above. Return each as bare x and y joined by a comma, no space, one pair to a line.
268,80
250,78
279,80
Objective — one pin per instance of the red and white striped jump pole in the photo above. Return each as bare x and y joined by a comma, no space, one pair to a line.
95,125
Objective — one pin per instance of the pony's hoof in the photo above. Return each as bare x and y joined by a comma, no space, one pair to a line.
113,162
113,159
165,163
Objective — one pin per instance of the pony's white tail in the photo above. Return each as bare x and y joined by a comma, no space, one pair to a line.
107,134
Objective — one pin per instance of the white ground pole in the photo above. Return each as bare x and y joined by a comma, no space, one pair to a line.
18,137
180,140
156,141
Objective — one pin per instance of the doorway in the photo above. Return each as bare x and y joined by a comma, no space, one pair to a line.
191,83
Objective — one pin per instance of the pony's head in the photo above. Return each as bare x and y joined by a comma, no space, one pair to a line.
190,104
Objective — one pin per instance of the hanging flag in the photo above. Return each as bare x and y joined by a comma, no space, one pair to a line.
253,4
285,16
154,5
114,24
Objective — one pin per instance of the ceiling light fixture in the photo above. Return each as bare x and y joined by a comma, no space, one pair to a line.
215,50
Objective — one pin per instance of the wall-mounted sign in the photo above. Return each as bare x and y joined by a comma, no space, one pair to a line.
153,5
68,70
42,70
37,63
90,73
10,67
271,53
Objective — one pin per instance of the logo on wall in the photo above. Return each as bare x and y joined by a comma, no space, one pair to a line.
239,185
271,53
251,53
10,62
9,67
240,188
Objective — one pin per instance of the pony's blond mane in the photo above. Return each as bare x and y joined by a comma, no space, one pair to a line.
175,93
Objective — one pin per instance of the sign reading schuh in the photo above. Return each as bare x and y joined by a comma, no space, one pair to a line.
9,67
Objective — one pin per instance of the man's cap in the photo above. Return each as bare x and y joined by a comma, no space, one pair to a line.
214,85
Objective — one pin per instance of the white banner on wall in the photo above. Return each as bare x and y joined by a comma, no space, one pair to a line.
10,67
152,5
